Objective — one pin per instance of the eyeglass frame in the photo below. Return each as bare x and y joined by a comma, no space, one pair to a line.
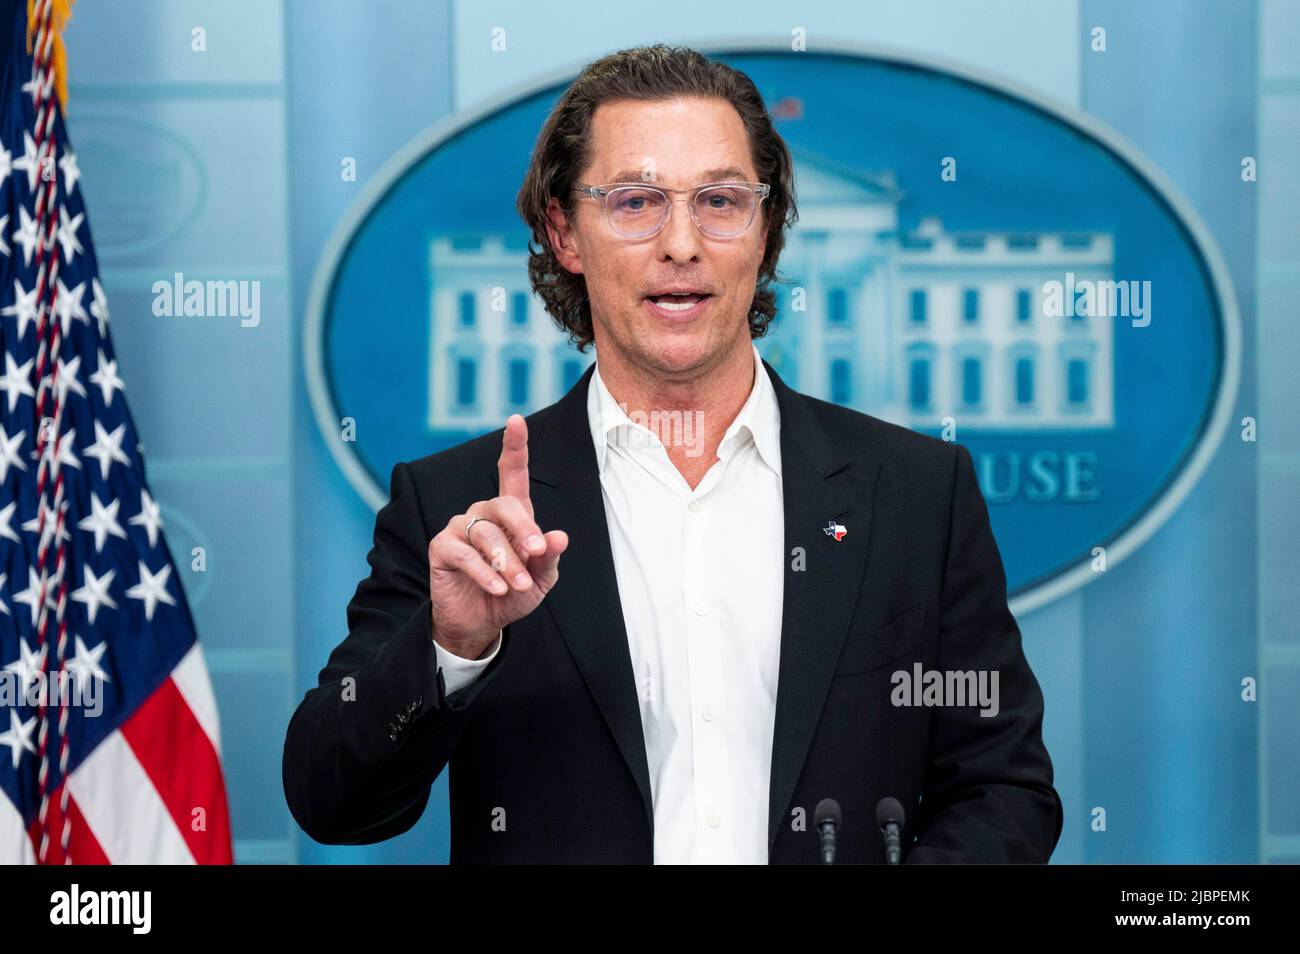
601,192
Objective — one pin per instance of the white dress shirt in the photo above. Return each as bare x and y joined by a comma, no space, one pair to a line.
701,581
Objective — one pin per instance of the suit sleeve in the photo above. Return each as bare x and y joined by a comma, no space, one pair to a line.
988,793
366,743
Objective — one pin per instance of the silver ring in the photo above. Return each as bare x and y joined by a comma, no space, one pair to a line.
470,526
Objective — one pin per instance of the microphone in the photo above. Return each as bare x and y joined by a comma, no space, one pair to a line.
827,819
889,816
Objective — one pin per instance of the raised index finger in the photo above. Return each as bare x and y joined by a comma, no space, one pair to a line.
512,467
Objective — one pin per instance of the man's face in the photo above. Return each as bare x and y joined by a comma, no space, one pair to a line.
677,143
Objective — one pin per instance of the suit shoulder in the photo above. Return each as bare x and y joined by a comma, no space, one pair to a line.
892,441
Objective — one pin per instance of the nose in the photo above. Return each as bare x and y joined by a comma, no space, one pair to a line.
679,239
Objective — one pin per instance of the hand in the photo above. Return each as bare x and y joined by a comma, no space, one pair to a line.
506,566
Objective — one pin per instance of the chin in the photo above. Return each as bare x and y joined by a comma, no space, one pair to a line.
680,352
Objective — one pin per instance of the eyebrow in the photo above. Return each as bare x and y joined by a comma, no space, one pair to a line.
710,175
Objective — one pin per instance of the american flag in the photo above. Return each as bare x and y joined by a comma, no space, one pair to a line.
128,770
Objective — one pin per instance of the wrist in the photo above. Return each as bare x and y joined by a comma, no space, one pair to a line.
469,647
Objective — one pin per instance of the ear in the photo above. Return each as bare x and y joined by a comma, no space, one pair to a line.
561,234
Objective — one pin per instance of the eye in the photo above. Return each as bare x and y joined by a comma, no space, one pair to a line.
720,200
634,200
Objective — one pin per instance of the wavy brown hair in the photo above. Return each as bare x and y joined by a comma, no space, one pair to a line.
645,73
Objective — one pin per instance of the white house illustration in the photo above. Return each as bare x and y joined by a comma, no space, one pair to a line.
911,327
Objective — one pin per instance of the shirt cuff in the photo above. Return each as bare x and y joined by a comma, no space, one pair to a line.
457,671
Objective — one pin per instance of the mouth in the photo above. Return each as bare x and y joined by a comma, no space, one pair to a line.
678,305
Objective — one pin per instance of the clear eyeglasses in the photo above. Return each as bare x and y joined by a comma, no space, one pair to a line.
719,209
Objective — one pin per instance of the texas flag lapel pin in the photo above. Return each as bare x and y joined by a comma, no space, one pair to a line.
836,530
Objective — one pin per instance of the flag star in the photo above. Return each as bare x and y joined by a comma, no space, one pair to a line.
85,662
19,735
4,224
107,447
105,377
32,595
4,607
148,517
6,163
24,305
15,381
152,589
6,515
9,456
67,235
70,171
102,521
29,162
66,378
94,592
27,665
60,451
26,234
68,306
34,88
99,307
46,528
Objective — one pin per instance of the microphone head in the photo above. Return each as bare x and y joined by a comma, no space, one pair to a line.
889,810
828,810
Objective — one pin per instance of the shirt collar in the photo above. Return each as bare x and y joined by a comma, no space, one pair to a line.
759,419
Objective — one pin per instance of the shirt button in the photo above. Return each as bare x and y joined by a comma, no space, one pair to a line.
693,506
707,712
700,609
714,820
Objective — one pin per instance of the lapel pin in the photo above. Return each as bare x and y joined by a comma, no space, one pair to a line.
836,530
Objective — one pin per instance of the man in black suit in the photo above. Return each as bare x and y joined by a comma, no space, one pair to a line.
678,694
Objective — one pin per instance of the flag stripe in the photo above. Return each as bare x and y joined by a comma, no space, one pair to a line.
175,752
124,810
191,678
83,846
15,847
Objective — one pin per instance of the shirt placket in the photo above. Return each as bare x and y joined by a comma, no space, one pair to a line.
703,546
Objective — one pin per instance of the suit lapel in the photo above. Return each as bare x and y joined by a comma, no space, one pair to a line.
585,601
819,598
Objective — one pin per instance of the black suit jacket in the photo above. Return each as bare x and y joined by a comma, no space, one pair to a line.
546,753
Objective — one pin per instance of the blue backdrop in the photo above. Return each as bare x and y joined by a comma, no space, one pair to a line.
224,163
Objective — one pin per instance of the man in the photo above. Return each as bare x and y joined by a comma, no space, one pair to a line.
747,572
